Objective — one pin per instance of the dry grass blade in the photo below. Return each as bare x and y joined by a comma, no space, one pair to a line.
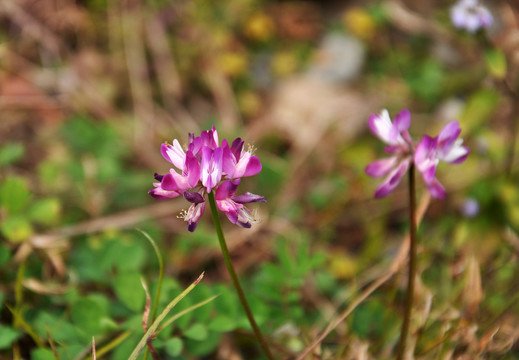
94,348
473,291
147,306
399,261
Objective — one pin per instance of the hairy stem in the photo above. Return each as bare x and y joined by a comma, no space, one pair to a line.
412,266
234,278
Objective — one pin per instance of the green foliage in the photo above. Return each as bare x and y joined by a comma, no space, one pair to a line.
45,211
14,194
16,228
79,144
10,153
7,336
129,291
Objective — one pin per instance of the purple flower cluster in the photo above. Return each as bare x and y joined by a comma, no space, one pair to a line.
426,154
206,166
471,15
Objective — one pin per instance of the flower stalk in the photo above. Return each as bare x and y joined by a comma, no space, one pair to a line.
412,266
234,277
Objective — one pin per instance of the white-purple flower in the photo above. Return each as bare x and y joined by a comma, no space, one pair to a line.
206,166
425,155
471,15
400,147
444,147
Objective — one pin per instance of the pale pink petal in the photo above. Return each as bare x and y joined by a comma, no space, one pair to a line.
436,189
392,180
381,167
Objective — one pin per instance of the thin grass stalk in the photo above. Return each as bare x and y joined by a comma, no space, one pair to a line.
412,265
152,329
159,285
234,278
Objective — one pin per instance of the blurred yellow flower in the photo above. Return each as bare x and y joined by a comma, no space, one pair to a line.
284,63
343,266
259,27
359,22
233,63
249,103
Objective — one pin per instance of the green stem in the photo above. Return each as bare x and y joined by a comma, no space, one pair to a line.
412,265
234,278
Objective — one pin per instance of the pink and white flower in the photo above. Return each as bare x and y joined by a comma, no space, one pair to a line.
444,147
206,166
425,156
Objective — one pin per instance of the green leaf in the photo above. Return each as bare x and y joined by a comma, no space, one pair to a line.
174,346
196,332
222,323
87,314
14,194
201,348
5,254
42,354
7,336
45,211
10,153
16,228
478,109
128,289
57,326
496,63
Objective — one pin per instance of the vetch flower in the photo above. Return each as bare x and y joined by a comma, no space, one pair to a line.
471,15
444,147
233,206
400,148
203,167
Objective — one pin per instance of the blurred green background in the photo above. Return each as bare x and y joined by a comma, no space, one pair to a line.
90,89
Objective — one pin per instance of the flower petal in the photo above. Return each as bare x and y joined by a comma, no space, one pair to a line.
161,194
227,189
392,180
401,123
381,167
425,153
193,197
211,167
457,153
248,198
436,189
192,169
174,154
194,213
448,135
380,125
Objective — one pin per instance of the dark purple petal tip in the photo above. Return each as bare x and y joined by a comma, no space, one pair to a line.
248,198
193,197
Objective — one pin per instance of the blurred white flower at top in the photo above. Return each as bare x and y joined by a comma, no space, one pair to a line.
471,15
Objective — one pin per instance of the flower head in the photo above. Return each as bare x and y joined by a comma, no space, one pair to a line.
400,148
471,15
444,147
203,167
425,155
